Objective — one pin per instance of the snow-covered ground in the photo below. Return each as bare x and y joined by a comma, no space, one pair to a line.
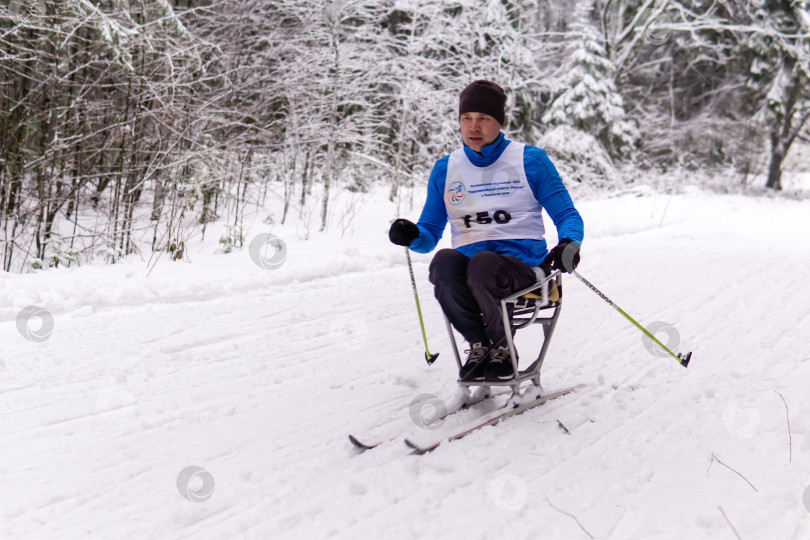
256,377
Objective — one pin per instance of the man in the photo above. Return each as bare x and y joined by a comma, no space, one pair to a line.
492,191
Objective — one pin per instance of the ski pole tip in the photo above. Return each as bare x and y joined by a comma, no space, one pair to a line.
430,358
684,359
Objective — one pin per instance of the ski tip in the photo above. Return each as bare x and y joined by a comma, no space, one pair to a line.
418,450
685,359
411,445
355,442
360,445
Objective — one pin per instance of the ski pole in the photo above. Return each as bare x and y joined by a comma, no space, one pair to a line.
430,358
683,359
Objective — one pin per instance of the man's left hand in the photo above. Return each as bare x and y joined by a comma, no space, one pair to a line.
564,256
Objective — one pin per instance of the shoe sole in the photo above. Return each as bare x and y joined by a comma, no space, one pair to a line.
493,378
488,375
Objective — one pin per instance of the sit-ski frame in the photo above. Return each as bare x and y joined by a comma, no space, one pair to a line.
527,311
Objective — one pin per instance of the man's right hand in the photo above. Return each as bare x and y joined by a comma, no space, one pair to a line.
403,232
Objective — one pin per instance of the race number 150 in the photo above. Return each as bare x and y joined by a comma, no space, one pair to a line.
483,218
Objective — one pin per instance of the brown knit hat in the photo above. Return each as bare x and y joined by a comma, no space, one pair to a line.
483,97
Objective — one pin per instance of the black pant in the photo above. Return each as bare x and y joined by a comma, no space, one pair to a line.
470,291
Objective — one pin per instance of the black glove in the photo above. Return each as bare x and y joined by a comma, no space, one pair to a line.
403,232
564,256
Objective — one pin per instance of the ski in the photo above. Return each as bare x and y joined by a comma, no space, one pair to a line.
490,419
466,404
364,446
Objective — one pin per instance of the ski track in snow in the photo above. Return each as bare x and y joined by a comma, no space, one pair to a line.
259,377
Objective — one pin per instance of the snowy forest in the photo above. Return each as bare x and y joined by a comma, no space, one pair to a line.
122,123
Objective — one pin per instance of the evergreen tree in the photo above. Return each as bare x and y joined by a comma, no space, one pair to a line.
585,96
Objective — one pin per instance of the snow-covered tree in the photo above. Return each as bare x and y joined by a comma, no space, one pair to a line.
85,86
779,46
105,101
585,96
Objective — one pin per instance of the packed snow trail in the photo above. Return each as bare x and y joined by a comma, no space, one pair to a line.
257,377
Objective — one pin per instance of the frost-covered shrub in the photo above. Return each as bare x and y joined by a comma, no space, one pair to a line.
578,156
233,238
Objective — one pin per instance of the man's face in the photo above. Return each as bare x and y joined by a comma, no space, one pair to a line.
478,129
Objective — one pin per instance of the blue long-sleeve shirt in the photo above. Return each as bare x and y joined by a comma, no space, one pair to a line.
545,184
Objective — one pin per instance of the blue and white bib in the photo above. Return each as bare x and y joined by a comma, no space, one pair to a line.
491,203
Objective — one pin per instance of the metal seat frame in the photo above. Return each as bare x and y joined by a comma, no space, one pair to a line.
526,311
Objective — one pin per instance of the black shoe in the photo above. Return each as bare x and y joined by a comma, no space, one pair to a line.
500,365
477,357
